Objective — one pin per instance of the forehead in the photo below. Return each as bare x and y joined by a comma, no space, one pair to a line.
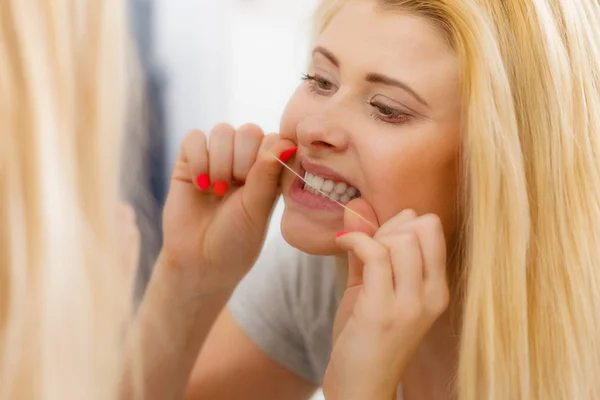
395,43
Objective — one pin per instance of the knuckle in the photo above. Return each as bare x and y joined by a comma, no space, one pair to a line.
250,130
407,239
409,212
193,136
222,129
431,222
269,140
401,240
438,303
379,254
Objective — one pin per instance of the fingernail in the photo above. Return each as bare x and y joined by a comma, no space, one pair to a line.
286,155
220,188
340,234
203,181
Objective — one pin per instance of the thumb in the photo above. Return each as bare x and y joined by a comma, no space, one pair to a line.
353,223
262,184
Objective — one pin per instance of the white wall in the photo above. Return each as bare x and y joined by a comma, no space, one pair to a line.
233,61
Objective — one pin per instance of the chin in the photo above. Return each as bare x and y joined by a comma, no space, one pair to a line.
307,235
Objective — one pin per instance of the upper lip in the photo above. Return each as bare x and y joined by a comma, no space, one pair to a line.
322,171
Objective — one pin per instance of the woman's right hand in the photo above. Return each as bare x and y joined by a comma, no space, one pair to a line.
220,201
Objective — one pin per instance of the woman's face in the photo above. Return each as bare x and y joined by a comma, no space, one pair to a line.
378,116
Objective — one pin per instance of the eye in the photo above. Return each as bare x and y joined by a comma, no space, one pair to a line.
319,84
389,114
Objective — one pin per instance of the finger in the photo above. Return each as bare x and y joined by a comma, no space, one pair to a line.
268,141
353,223
396,222
247,141
407,264
430,233
377,274
194,152
220,156
262,182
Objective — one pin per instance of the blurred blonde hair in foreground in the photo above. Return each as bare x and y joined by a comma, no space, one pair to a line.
64,284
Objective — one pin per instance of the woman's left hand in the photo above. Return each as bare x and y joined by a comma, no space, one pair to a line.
396,290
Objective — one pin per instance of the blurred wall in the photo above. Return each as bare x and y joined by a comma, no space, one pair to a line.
233,61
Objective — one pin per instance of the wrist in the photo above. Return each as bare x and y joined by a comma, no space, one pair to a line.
196,281
187,290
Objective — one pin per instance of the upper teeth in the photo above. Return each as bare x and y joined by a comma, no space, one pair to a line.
337,191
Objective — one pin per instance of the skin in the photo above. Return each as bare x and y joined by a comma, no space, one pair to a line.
408,158
406,170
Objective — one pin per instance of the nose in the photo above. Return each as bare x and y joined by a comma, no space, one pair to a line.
322,134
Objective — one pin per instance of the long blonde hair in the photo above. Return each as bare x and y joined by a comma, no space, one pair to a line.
63,296
530,73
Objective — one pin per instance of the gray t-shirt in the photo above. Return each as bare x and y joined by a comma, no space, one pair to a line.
286,305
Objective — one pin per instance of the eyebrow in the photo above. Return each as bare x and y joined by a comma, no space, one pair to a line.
372,77
327,54
386,80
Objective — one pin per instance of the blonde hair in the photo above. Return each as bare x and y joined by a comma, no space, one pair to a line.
530,73
63,292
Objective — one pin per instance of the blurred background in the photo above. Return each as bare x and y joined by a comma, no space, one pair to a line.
206,62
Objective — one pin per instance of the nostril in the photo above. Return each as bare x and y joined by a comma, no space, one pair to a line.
321,143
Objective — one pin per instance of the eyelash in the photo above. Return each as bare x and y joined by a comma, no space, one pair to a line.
386,114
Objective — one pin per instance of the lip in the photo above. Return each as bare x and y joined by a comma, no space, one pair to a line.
306,199
322,171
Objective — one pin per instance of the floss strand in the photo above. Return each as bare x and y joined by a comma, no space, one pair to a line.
323,193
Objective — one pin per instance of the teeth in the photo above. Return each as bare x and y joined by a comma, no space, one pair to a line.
328,186
317,182
319,186
340,188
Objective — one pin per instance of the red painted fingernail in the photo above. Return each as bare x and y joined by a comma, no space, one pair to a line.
203,181
220,188
340,234
286,155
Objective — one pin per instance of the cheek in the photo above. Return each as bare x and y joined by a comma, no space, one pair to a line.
422,176
296,109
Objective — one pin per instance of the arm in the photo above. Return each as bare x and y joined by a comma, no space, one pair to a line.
231,366
167,333
213,235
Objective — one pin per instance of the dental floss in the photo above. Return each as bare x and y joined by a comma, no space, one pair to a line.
323,193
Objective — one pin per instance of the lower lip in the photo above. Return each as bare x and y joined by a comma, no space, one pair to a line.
309,200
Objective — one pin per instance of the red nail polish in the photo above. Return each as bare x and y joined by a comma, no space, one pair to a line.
286,155
220,188
203,181
340,234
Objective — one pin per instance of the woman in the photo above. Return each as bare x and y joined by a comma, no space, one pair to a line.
490,121
466,129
